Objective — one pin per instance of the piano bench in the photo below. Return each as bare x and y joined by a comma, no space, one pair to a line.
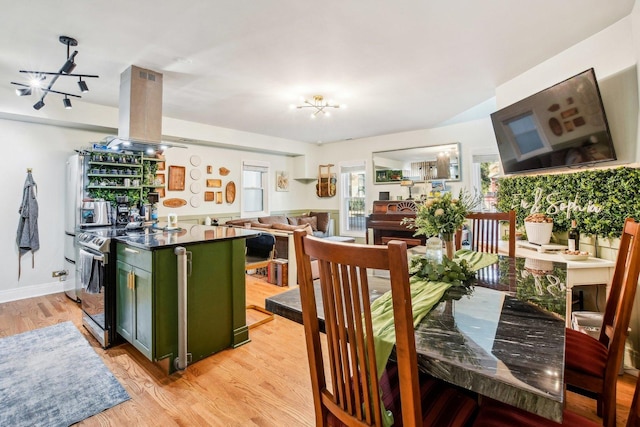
410,242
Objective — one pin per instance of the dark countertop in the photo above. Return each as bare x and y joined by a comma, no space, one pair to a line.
158,237
499,341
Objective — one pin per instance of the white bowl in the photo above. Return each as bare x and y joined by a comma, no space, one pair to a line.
539,232
570,257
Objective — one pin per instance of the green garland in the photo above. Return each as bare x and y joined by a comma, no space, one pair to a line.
616,191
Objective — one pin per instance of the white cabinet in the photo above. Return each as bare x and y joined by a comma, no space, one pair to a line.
305,168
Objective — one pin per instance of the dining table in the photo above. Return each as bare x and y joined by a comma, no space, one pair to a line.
503,337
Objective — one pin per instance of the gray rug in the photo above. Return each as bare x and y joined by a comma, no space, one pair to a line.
52,377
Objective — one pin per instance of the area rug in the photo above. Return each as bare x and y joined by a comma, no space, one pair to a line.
52,377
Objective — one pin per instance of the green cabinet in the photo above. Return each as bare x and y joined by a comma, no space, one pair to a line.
147,299
134,307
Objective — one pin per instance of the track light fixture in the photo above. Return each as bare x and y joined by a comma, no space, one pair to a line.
24,91
38,76
83,86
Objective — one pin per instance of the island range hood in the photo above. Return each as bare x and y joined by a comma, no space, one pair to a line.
140,113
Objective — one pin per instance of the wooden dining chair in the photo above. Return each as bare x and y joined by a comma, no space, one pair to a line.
496,414
485,231
592,365
349,396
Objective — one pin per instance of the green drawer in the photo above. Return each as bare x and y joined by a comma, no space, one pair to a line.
135,256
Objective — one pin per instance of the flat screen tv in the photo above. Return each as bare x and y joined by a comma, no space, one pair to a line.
561,126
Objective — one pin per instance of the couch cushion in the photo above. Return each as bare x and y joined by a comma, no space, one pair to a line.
240,221
274,219
259,225
322,221
311,220
289,227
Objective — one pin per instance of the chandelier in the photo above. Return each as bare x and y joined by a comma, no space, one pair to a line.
38,77
319,105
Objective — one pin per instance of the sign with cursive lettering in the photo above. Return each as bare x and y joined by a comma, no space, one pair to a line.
599,200
555,204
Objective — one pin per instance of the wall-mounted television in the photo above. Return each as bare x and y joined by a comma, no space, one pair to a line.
561,126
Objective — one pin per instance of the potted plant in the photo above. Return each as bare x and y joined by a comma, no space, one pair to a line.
442,216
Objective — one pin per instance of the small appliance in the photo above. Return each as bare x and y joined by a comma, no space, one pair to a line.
95,213
122,210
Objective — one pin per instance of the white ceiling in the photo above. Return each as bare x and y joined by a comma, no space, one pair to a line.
399,65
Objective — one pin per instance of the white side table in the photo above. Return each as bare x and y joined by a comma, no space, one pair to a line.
593,271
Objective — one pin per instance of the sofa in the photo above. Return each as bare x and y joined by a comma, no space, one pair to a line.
319,224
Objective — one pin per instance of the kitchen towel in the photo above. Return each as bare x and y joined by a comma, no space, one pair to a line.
90,272
27,235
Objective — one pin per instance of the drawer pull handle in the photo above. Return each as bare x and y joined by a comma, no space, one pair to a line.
132,251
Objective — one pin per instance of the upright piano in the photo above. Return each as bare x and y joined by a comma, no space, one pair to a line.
385,221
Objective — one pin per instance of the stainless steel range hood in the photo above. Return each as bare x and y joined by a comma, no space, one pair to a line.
140,112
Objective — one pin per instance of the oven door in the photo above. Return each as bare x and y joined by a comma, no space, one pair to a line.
92,269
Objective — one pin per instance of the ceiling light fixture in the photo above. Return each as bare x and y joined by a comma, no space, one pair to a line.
38,76
83,86
320,105
24,91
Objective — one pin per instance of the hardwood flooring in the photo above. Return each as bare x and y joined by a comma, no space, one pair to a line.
263,383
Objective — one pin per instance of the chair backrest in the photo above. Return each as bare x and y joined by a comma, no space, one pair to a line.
485,231
344,290
260,251
617,314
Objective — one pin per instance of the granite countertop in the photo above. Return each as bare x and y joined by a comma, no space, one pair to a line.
159,237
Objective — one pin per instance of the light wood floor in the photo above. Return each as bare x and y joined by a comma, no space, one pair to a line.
263,383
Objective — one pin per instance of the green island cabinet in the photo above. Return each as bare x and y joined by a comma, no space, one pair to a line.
147,299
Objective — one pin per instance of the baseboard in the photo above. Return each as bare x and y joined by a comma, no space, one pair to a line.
31,291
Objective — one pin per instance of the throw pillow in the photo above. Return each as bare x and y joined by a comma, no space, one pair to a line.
275,219
293,220
323,220
311,220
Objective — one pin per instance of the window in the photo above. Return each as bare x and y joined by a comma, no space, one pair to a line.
486,170
255,194
352,196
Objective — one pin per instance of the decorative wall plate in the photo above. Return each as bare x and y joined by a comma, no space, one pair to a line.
174,202
230,192
215,183
195,201
209,196
195,187
195,160
195,174
224,171
176,178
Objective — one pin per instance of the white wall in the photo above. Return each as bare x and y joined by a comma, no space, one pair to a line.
612,54
44,149
475,137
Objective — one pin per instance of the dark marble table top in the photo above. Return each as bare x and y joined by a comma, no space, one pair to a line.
504,340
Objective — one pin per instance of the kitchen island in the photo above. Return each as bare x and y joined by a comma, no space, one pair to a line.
147,291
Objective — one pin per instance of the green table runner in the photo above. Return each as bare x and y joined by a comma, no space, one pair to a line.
424,296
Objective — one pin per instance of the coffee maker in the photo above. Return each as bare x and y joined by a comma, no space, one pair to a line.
122,210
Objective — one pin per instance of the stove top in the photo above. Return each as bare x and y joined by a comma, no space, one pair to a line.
99,239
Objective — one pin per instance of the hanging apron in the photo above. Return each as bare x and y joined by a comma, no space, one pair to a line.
27,237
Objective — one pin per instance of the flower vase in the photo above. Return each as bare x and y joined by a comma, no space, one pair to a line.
447,238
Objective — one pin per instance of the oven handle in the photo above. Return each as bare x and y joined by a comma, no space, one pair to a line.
102,257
